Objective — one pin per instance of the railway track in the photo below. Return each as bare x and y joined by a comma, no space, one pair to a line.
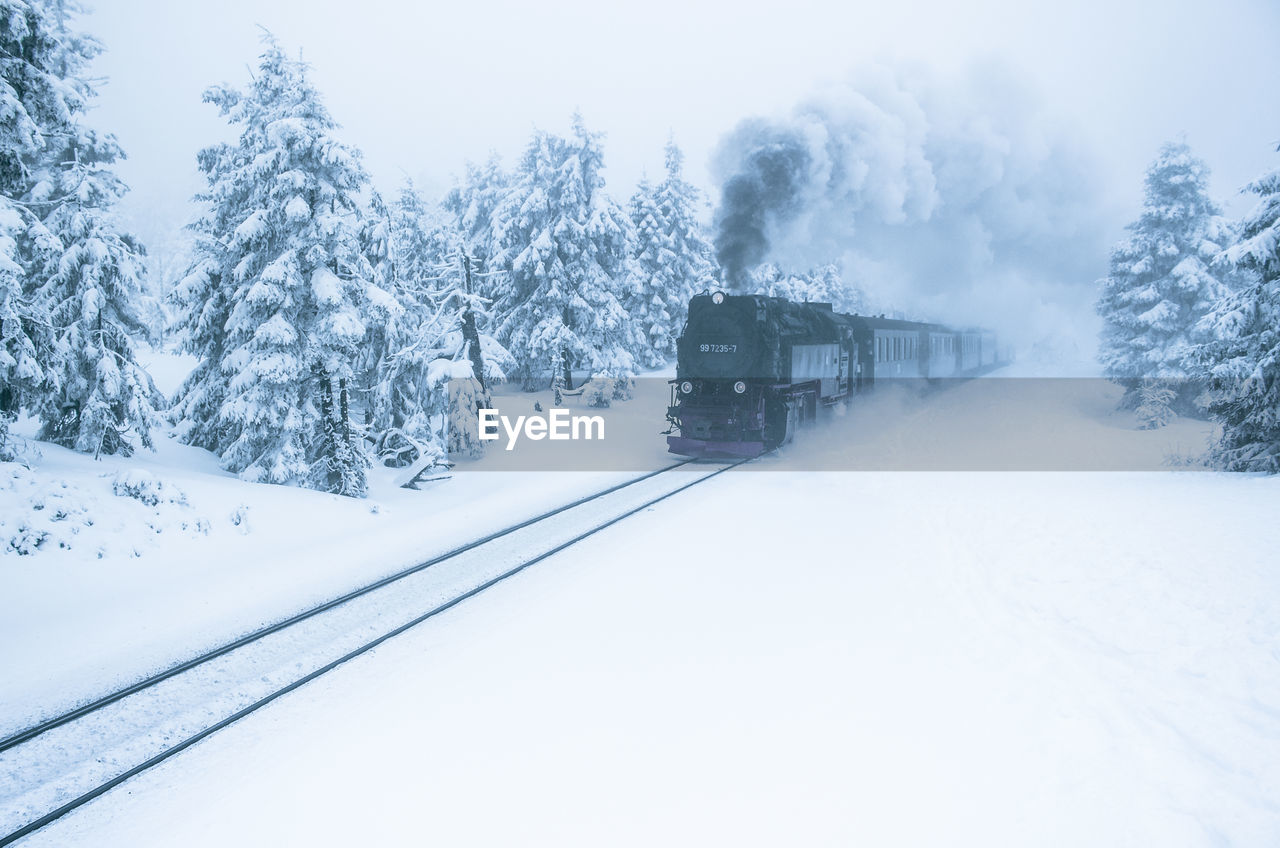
54,767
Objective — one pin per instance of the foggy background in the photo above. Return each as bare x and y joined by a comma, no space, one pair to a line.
1094,86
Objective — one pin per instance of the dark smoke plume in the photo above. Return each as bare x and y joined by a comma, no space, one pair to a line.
766,189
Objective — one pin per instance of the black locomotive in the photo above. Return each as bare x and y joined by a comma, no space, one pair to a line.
751,369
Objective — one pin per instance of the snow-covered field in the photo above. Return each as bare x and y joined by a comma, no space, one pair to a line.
145,584
975,659
772,658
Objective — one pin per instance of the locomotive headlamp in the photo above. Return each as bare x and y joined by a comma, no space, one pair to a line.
740,387
686,387
717,298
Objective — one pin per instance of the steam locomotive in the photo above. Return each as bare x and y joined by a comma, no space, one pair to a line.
751,369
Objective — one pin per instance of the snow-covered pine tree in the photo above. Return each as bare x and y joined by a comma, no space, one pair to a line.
386,318
402,407
20,371
276,300
824,284
1154,403
70,280
565,245
461,373
92,287
32,102
475,203
1242,359
420,397
1162,280
674,259
26,342
648,301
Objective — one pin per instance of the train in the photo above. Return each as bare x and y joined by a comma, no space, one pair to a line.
751,370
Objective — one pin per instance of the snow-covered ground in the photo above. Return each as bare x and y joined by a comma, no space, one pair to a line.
1019,659
772,658
121,587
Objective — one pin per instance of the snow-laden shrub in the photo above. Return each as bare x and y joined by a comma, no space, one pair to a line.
26,540
466,398
143,486
91,511
599,392
45,515
624,387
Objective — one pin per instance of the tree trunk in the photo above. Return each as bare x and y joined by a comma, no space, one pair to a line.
344,410
471,335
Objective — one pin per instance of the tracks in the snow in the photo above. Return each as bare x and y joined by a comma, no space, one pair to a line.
62,763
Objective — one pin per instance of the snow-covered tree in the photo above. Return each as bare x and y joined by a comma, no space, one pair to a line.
1162,280
1242,359
565,246
824,284
647,301
475,203
427,393
275,302
387,320
70,281
24,339
91,284
32,106
674,259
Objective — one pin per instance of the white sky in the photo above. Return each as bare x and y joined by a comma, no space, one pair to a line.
422,87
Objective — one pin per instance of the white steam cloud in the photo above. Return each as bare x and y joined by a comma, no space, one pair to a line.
962,202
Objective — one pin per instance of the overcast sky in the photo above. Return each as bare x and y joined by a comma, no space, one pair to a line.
423,87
